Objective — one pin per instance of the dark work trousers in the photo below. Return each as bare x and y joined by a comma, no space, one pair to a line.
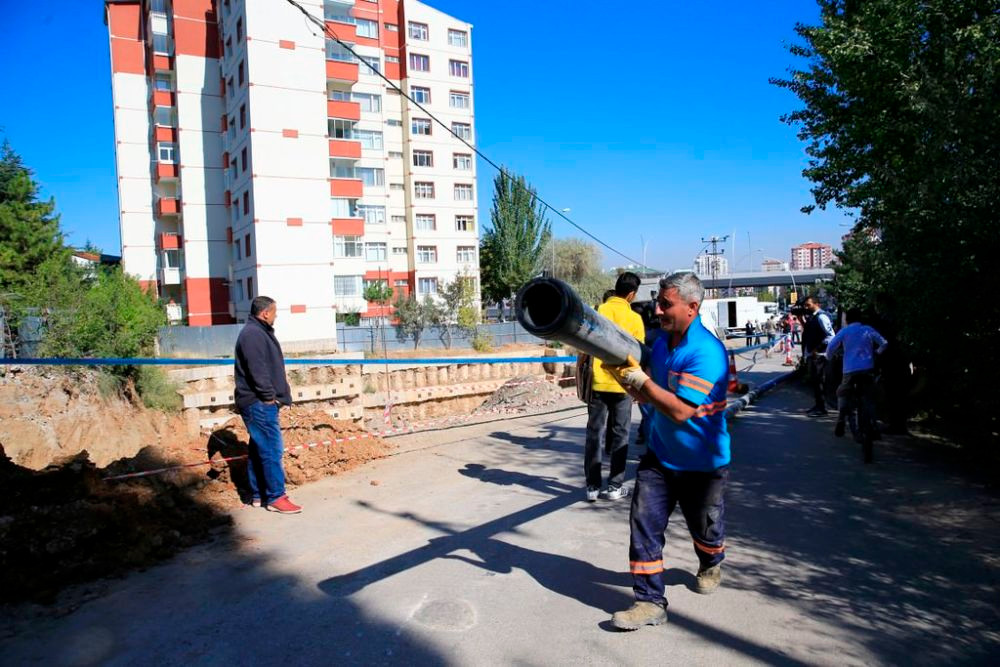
657,491
609,416
817,377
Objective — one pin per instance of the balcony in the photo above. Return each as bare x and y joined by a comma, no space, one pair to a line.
167,171
163,63
346,187
342,109
337,70
165,133
168,206
348,226
169,241
164,98
342,29
345,148
170,276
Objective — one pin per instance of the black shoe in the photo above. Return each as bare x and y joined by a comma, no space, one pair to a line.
816,412
838,430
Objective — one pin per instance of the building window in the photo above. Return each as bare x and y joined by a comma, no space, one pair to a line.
418,31
425,222
371,176
371,139
338,128
423,159
458,38
395,155
462,161
229,47
397,186
427,254
427,285
399,250
236,248
420,126
230,88
463,130
458,68
239,29
343,208
375,251
342,168
243,159
234,170
391,27
463,192
250,289
347,246
166,152
334,51
368,102
161,43
246,246
373,64
421,95
163,81
239,291
339,95
240,75
466,254
163,116
347,285
376,282
172,258
398,218
394,122
395,61
420,63
373,215
335,11
423,190
465,223
366,28
243,116
246,203
232,127
458,100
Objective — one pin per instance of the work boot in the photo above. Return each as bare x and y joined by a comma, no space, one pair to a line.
709,579
639,614
283,506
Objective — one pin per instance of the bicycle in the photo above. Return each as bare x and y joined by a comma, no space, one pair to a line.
859,411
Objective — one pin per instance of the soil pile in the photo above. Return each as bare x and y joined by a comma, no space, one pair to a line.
49,414
68,523
522,393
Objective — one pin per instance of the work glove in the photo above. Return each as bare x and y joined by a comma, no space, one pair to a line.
629,375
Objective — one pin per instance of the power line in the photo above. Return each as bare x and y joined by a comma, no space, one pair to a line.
486,158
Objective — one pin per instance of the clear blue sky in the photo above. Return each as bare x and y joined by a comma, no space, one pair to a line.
655,123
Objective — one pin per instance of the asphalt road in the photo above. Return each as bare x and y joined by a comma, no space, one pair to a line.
473,546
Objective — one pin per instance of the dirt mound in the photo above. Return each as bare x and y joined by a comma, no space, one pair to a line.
521,393
69,523
48,414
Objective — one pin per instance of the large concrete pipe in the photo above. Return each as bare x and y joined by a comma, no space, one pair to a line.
550,309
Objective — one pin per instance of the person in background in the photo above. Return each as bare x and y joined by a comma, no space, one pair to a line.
261,390
861,344
609,412
816,336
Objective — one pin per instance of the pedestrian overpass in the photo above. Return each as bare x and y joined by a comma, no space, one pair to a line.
794,279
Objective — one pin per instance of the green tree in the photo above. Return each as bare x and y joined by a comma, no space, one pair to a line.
379,293
29,228
457,310
578,263
511,249
413,317
900,117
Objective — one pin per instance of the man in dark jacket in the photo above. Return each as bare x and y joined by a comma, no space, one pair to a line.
816,335
261,389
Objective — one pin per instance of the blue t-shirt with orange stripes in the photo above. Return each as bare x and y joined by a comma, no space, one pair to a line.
697,371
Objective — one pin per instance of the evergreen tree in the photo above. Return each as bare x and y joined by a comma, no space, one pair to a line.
29,230
511,250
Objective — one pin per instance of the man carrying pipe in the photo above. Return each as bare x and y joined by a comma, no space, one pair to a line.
687,459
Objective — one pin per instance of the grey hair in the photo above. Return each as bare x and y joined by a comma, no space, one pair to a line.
687,284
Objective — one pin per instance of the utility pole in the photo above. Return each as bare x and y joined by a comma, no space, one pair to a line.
714,241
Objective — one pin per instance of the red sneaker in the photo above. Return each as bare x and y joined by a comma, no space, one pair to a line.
283,506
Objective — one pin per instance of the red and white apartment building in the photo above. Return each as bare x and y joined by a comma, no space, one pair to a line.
811,256
257,156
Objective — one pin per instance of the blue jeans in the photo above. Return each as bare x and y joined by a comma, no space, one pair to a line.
264,470
657,491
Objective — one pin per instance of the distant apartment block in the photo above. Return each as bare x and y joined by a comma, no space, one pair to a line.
769,265
811,256
257,156
709,266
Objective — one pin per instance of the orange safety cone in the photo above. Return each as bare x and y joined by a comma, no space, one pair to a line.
734,381
788,353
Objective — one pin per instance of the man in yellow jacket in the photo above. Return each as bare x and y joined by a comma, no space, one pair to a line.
609,413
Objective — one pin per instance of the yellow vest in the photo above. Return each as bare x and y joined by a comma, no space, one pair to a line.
620,312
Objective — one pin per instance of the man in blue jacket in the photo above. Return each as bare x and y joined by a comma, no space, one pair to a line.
261,389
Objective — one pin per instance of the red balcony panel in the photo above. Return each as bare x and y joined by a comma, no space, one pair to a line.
341,109
348,226
163,133
162,63
392,71
344,31
344,148
342,71
166,170
345,187
227,198
163,98
298,308
170,241
168,206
